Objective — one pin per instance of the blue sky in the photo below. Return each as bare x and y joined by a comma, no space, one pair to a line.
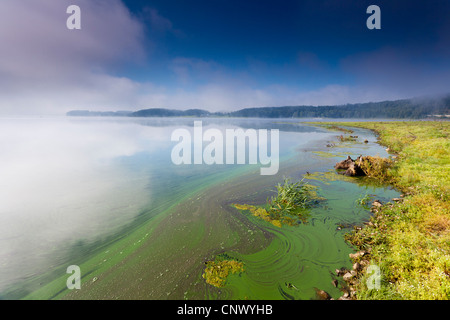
219,54
304,44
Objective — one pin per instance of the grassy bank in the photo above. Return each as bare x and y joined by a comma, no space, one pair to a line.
410,241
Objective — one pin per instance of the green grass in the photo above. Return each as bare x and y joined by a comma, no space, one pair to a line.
291,198
410,240
365,200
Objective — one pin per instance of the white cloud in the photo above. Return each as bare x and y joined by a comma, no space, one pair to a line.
44,67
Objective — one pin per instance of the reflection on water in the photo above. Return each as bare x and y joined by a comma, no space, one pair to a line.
66,181
61,182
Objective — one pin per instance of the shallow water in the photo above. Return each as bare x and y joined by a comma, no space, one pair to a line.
104,194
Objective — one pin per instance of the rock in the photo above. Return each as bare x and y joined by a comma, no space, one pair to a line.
322,295
377,203
345,295
364,262
397,199
356,266
334,283
347,276
366,141
356,255
341,271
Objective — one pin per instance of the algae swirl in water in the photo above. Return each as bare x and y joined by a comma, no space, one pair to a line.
289,207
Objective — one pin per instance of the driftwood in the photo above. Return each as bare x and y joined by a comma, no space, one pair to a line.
352,167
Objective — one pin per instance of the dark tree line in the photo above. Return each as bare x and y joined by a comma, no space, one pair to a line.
400,109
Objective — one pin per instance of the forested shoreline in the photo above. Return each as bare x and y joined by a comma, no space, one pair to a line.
398,109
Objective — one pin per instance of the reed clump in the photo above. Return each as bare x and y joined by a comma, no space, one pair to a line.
288,206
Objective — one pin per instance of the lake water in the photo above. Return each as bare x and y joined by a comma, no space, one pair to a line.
104,194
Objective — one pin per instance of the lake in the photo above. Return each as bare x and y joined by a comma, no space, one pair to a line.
104,194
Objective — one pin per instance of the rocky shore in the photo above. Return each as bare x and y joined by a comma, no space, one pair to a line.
345,278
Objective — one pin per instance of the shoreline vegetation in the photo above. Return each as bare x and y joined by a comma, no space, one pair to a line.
409,240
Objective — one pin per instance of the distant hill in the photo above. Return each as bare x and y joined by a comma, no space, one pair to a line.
398,109
158,112
87,113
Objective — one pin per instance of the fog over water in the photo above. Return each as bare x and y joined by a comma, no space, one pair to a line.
61,181
65,181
